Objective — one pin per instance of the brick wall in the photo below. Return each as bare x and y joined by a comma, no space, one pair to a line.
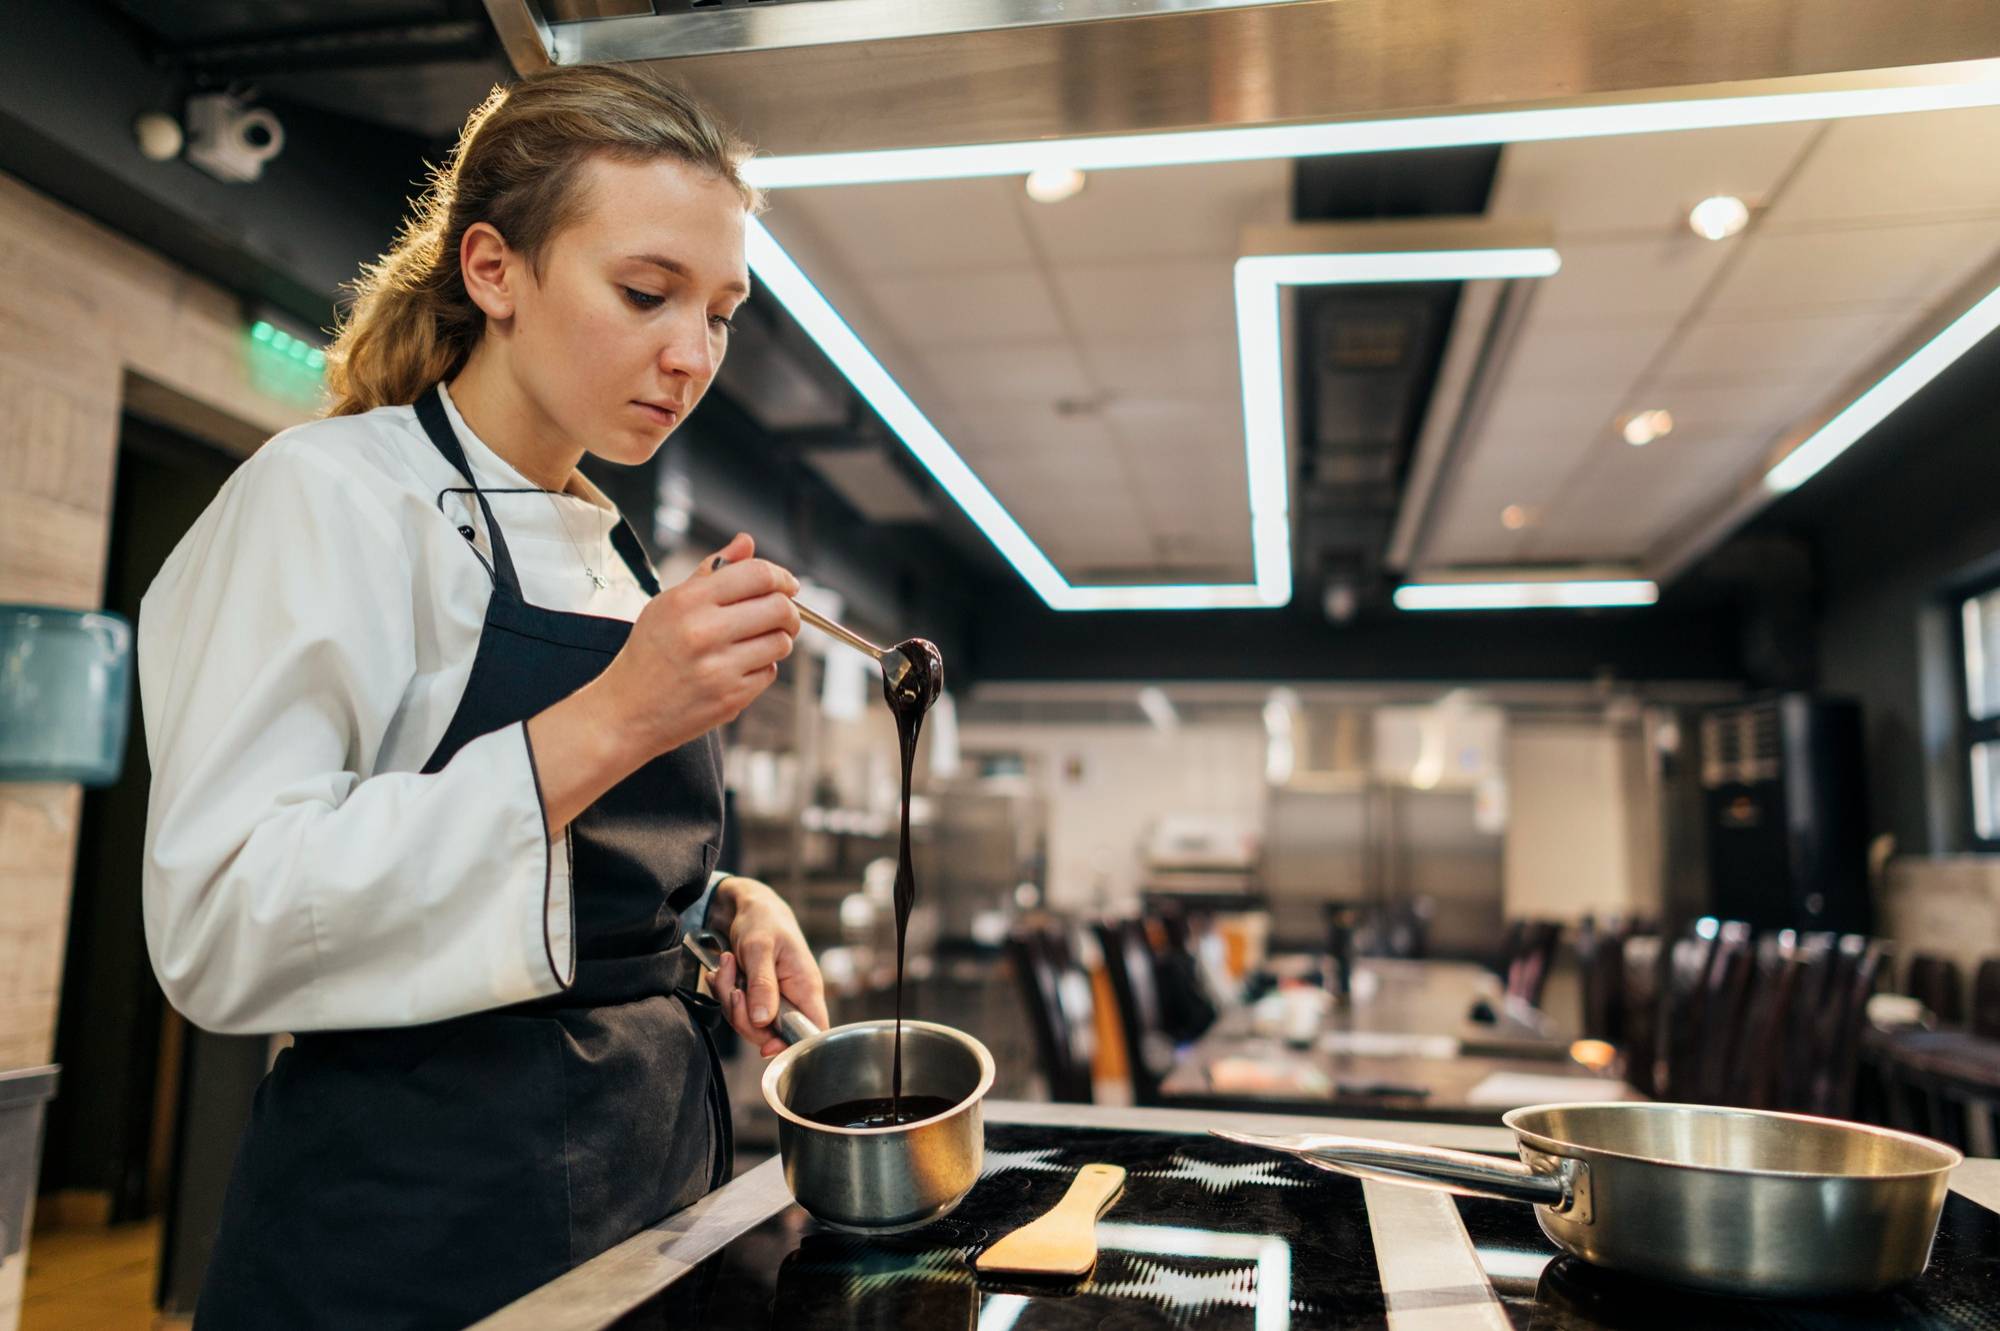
91,325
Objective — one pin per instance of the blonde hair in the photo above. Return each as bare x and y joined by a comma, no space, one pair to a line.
411,322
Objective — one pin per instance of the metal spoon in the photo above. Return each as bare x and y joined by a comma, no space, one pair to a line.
900,664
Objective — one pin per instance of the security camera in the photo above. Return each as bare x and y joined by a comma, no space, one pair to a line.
230,140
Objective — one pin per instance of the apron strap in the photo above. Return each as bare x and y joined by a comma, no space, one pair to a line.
431,415
707,1015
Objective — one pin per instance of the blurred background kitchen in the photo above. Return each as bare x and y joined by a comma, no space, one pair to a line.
1504,705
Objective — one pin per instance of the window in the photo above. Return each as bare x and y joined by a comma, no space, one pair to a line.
1979,623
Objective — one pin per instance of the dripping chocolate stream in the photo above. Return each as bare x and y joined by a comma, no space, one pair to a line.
909,695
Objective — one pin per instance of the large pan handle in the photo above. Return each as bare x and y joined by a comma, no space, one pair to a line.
707,947
1427,1167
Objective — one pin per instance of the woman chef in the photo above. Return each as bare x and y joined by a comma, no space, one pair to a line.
436,785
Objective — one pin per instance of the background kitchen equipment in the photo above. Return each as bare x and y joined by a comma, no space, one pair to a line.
65,694
1734,1201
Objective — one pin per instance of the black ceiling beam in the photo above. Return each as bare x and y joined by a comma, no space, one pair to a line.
370,47
1296,642
72,80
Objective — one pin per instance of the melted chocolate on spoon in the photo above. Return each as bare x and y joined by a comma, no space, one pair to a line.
910,693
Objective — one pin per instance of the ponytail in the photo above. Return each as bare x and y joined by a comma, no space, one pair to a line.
412,322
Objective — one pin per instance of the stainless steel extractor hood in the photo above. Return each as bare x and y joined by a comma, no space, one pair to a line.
811,76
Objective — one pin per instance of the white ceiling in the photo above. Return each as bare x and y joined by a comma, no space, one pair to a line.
1862,229
1082,356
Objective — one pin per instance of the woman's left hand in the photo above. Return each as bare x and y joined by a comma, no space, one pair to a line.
765,941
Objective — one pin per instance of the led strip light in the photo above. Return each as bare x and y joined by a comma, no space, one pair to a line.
1258,319
1525,595
1891,391
1256,294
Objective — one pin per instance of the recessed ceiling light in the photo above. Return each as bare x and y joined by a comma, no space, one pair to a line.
1516,516
1053,184
1718,217
1643,427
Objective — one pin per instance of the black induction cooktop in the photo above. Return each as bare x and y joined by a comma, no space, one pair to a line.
1543,1289
1206,1234
1212,1234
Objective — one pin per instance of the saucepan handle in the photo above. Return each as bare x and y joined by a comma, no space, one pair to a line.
707,947
1421,1166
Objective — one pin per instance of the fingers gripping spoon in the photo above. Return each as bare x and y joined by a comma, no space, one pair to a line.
912,670
1063,1240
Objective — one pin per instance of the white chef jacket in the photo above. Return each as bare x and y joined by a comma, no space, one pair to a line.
300,656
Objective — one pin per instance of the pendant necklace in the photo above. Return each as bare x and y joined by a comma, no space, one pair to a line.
597,579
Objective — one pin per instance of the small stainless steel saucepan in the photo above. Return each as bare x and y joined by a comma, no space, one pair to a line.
1736,1201
872,1180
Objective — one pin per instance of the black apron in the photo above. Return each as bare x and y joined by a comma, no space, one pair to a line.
425,1176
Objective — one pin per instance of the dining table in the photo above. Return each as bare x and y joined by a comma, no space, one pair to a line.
1437,1040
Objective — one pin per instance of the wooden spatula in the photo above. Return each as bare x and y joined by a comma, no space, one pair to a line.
1063,1240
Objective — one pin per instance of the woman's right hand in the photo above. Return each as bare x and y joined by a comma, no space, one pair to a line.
701,651
698,654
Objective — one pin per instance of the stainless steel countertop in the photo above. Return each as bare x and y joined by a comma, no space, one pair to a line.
1430,1275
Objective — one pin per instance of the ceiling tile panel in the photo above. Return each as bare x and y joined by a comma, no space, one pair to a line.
1773,351
1614,283
1192,365
919,226
1163,212
1171,297
969,309
1039,371
1557,358
1937,164
1613,185
1912,265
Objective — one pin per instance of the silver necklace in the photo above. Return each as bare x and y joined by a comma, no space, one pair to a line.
597,579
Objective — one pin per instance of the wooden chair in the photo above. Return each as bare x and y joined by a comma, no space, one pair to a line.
1601,955
1528,969
1130,962
1795,1052
1986,999
1859,968
1683,984
1643,958
1937,983
1511,937
1055,991
1724,1004
1758,1061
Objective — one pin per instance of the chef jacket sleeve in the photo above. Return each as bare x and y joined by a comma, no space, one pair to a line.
282,890
696,916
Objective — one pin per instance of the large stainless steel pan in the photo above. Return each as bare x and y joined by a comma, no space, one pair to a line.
872,1180
1736,1201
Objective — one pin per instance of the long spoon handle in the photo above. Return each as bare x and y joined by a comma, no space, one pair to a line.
846,635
